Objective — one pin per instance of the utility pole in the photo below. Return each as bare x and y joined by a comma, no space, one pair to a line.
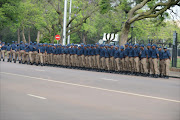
64,26
69,20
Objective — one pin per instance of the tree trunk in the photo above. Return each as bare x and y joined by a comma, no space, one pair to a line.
124,34
29,36
18,34
38,36
61,34
23,36
84,38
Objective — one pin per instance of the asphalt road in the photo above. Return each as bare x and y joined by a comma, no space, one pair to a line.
48,93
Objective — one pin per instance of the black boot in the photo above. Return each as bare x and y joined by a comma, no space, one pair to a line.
3,60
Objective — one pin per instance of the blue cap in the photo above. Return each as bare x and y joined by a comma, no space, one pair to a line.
165,47
12,41
148,44
154,45
127,44
159,47
122,47
137,44
142,45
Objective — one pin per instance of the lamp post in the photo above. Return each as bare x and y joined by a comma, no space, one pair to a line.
132,26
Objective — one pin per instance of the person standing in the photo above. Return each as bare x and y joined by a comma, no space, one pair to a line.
155,56
126,53
3,50
161,62
136,59
116,57
122,60
31,53
26,57
166,60
107,58
13,52
17,50
131,58
22,52
149,62
144,56
112,60
102,58
9,57
97,50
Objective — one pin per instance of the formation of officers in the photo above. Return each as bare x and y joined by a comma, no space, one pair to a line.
139,60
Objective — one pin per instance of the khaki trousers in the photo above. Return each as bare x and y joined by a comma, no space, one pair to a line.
30,56
149,66
68,59
71,60
79,62
102,63
131,64
90,61
107,63
75,60
41,57
35,53
155,66
26,57
117,64
136,64
83,60
94,61
166,67
112,63
126,64
21,55
64,59
17,55
13,53
9,55
161,67
87,61
122,64
3,53
144,65
98,61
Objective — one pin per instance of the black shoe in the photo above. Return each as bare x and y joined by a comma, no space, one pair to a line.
3,60
0,59
155,76
14,61
19,62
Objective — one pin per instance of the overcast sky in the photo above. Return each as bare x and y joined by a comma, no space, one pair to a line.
176,9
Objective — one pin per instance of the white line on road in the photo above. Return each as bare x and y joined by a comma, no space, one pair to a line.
109,79
97,88
36,96
38,70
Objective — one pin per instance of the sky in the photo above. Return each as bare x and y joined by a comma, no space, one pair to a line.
176,9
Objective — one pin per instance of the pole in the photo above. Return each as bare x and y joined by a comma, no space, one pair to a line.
64,26
69,20
174,50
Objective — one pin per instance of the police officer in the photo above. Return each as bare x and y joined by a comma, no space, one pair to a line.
122,60
161,61
144,57
131,58
112,60
107,56
116,57
41,52
9,57
166,60
149,62
13,52
30,47
0,50
75,61
136,59
17,50
155,56
97,50
3,50
102,58
126,52
22,52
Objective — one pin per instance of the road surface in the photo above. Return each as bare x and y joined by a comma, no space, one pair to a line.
49,93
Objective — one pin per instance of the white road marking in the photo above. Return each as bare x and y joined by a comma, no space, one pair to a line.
36,96
97,88
38,70
109,79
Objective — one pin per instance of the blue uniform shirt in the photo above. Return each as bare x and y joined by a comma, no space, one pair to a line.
8,48
136,52
116,54
143,53
22,47
161,54
79,52
131,52
86,52
30,48
111,52
166,54
126,51
149,52
26,49
13,46
102,52
97,51
4,47
74,50
106,51
121,54
154,53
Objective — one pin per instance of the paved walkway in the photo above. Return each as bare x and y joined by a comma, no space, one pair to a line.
175,74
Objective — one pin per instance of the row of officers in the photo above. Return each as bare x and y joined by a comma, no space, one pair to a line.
142,60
